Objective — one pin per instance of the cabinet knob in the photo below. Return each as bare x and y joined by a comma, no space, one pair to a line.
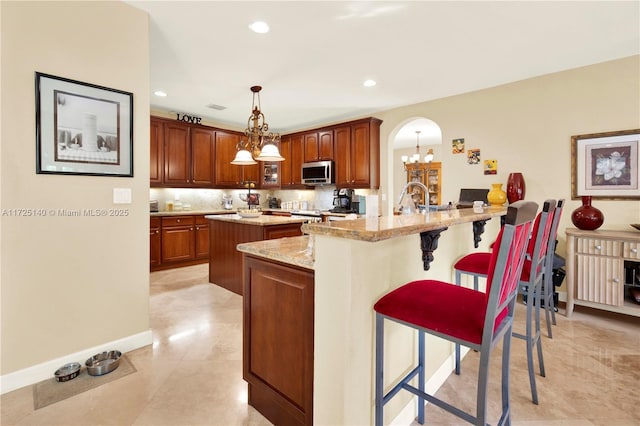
616,280
178,220
634,250
191,229
598,247
157,232
197,228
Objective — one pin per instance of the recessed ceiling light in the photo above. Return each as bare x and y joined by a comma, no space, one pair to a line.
259,27
160,93
369,83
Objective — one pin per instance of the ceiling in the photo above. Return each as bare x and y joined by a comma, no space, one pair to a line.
314,60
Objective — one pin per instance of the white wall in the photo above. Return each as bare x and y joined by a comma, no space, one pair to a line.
70,284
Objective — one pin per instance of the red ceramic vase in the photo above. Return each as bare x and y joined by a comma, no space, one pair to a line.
515,187
587,217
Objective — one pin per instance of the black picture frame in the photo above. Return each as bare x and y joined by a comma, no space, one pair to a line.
82,128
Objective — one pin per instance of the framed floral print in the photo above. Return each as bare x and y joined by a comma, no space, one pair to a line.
605,165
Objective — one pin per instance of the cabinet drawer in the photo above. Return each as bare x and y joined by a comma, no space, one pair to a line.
598,246
178,221
631,250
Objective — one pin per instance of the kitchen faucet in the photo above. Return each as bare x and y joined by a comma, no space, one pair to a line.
406,204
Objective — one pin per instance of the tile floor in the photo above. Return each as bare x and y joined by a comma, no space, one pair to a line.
193,373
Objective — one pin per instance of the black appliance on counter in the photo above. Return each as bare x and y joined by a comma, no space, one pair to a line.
343,201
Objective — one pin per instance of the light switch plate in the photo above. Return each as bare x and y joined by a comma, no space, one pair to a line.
122,195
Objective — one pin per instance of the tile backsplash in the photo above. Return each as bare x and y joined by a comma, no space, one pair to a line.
196,199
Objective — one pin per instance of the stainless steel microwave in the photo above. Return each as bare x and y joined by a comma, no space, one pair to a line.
317,173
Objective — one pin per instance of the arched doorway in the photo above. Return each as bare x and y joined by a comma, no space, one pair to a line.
403,141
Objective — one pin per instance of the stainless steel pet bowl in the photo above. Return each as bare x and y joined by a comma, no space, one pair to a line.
103,363
67,372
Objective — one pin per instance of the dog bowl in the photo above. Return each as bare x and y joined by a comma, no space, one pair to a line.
103,363
67,372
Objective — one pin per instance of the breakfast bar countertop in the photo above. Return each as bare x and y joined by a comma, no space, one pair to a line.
386,227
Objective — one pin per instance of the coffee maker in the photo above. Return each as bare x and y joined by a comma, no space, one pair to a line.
343,201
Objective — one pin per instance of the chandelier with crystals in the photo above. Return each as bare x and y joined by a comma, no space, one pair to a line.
260,144
416,170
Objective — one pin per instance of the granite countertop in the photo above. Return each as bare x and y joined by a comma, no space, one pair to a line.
386,227
290,250
262,220
190,212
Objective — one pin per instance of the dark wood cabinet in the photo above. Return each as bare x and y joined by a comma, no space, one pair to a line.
156,157
155,247
202,157
318,146
202,238
357,154
182,155
278,340
225,262
292,149
228,175
178,240
177,156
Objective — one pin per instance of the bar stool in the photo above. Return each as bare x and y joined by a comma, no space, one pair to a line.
530,284
460,315
548,287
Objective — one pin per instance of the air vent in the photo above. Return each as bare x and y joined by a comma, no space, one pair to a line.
216,107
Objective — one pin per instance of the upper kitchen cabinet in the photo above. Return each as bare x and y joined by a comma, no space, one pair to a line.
292,149
228,175
357,154
181,155
318,146
156,142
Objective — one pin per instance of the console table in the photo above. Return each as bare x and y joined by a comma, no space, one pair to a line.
598,270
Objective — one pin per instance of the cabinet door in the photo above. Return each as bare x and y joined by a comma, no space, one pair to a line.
311,147
285,166
155,257
325,145
342,165
226,174
360,168
278,340
297,158
202,157
600,279
178,239
156,141
177,154
202,238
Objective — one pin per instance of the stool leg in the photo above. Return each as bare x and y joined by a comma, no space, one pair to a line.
483,383
538,333
549,303
505,418
531,302
379,367
457,345
421,375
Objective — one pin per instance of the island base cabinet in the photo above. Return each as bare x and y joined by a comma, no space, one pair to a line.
278,340
225,262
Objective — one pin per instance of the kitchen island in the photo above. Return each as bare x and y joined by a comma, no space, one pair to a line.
228,230
353,264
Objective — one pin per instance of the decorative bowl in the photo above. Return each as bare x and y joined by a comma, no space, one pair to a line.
249,213
103,363
67,372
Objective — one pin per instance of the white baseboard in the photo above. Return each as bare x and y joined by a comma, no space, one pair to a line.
45,370
409,412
